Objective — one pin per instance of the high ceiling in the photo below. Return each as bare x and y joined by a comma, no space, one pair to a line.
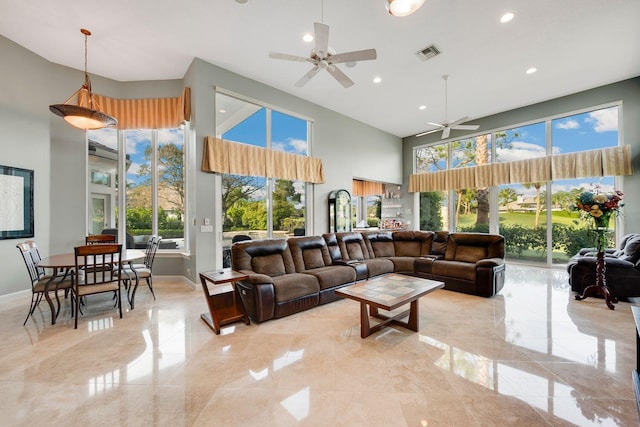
574,44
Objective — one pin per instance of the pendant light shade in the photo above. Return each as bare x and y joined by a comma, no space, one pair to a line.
85,112
402,7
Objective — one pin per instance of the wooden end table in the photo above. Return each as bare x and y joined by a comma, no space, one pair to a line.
224,304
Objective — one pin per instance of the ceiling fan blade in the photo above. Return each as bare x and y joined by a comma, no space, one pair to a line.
312,72
465,127
445,132
322,38
438,125
357,55
340,76
287,57
428,132
460,120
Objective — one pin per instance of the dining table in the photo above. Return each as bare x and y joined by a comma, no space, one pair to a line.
64,264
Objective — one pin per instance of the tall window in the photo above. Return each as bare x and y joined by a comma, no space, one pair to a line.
535,217
256,206
154,199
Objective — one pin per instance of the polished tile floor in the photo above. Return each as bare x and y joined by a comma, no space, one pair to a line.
531,356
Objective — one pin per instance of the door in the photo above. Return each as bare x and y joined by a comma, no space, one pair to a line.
98,219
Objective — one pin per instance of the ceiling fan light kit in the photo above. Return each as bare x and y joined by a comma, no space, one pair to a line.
402,7
85,114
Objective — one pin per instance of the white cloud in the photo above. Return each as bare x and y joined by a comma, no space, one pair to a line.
520,150
299,145
106,137
568,124
279,146
604,120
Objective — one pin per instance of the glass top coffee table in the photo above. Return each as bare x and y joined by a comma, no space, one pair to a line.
389,293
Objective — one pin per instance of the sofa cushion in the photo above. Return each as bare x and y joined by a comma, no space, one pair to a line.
403,264
458,269
312,258
470,253
631,250
271,265
378,266
294,285
332,276
439,245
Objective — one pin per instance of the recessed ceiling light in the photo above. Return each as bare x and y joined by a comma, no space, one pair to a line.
377,79
506,17
531,70
423,107
242,1
222,110
307,38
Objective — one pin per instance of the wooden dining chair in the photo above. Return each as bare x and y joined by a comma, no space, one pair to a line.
97,271
39,279
135,272
93,239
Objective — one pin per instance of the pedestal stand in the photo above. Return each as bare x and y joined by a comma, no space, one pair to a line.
600,288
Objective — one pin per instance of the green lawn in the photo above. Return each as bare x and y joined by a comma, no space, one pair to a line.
526,219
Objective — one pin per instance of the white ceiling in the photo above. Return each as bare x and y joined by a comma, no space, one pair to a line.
574,44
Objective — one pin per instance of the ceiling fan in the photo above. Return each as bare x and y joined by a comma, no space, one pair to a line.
446,126
323,57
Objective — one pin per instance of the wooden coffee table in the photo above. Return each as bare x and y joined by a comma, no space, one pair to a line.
388,293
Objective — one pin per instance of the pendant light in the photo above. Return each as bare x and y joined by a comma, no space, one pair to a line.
85,113
402,7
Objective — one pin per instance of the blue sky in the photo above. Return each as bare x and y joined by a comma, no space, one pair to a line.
287,133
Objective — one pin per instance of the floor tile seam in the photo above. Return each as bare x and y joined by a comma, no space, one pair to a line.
542,417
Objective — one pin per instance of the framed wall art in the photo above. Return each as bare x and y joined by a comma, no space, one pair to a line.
16,203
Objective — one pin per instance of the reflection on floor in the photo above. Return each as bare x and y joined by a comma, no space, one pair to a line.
529,356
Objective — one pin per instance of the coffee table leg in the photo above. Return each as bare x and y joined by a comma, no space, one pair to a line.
413,316
365,328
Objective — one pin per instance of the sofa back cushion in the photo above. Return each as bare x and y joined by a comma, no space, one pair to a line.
269,256
412,243
309,252
632,251
472,247
439,245
379,244
352,246
332,246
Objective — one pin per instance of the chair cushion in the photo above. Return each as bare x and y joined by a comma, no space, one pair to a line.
141,270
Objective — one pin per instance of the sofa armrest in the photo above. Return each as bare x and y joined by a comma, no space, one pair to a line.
257,295
345,261
255,278
490,262
610,262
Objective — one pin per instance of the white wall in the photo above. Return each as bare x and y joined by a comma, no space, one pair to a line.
24,143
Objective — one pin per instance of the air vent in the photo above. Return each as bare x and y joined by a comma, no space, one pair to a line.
428,52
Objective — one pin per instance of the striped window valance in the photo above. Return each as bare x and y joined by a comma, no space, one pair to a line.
148,113
361,188
611,161
243,159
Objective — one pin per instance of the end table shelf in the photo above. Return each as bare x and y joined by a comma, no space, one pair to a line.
225,306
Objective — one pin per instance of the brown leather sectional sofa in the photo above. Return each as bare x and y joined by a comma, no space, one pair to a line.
291,275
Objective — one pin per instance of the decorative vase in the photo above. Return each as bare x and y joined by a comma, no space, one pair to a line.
603,220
